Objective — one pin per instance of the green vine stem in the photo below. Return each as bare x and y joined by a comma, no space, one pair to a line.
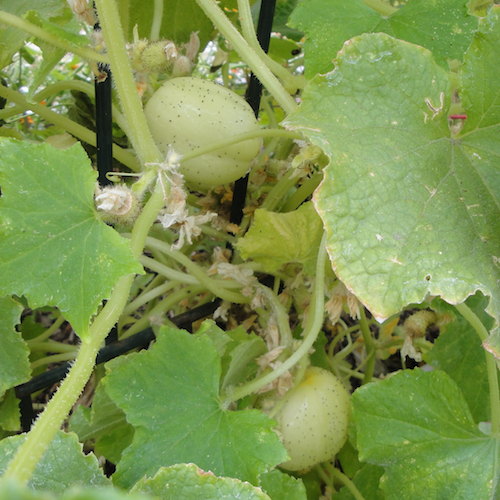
55,358
52,346
197,272
47,333
57,87
255,63
157,19
30,452
311,332
167,272
70,126
369,346
491,366
24,25
235,139
277,193
114,38
305,190
171,301
340,476
148,296
290,82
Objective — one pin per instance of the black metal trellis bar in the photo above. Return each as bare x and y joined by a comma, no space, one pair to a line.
253,96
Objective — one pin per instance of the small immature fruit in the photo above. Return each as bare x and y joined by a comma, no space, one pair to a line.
190,113
313,422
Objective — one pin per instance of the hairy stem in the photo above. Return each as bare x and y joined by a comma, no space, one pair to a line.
139,134
28,455
491,366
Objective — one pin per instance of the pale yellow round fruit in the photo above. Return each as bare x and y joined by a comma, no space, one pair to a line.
313,422
189,113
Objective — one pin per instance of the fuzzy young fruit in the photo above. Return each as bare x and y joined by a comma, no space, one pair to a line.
313,422
190,113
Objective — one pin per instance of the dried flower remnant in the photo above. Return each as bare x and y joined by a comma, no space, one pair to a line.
118,204
340,295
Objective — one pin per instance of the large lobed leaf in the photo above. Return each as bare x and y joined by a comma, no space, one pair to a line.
170,394
418,426
409,208
54,249
442,26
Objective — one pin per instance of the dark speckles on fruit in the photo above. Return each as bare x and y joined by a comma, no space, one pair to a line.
204,113
313,422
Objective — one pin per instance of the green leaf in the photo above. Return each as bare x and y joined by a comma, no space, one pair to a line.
418,426
14,363
239,363
170,394
276,239
185,481
52,55
459,352
105,424
63,464
9,412
442,26
12,39
54,249
281,14
408,210
12,490
281,486
220,339
367,481
187,14
237,349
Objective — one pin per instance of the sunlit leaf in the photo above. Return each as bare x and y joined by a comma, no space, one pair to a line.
54,249
442,26
418,427
410,209
170,394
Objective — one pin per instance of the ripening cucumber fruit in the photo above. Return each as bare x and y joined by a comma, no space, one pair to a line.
189,113
313,422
